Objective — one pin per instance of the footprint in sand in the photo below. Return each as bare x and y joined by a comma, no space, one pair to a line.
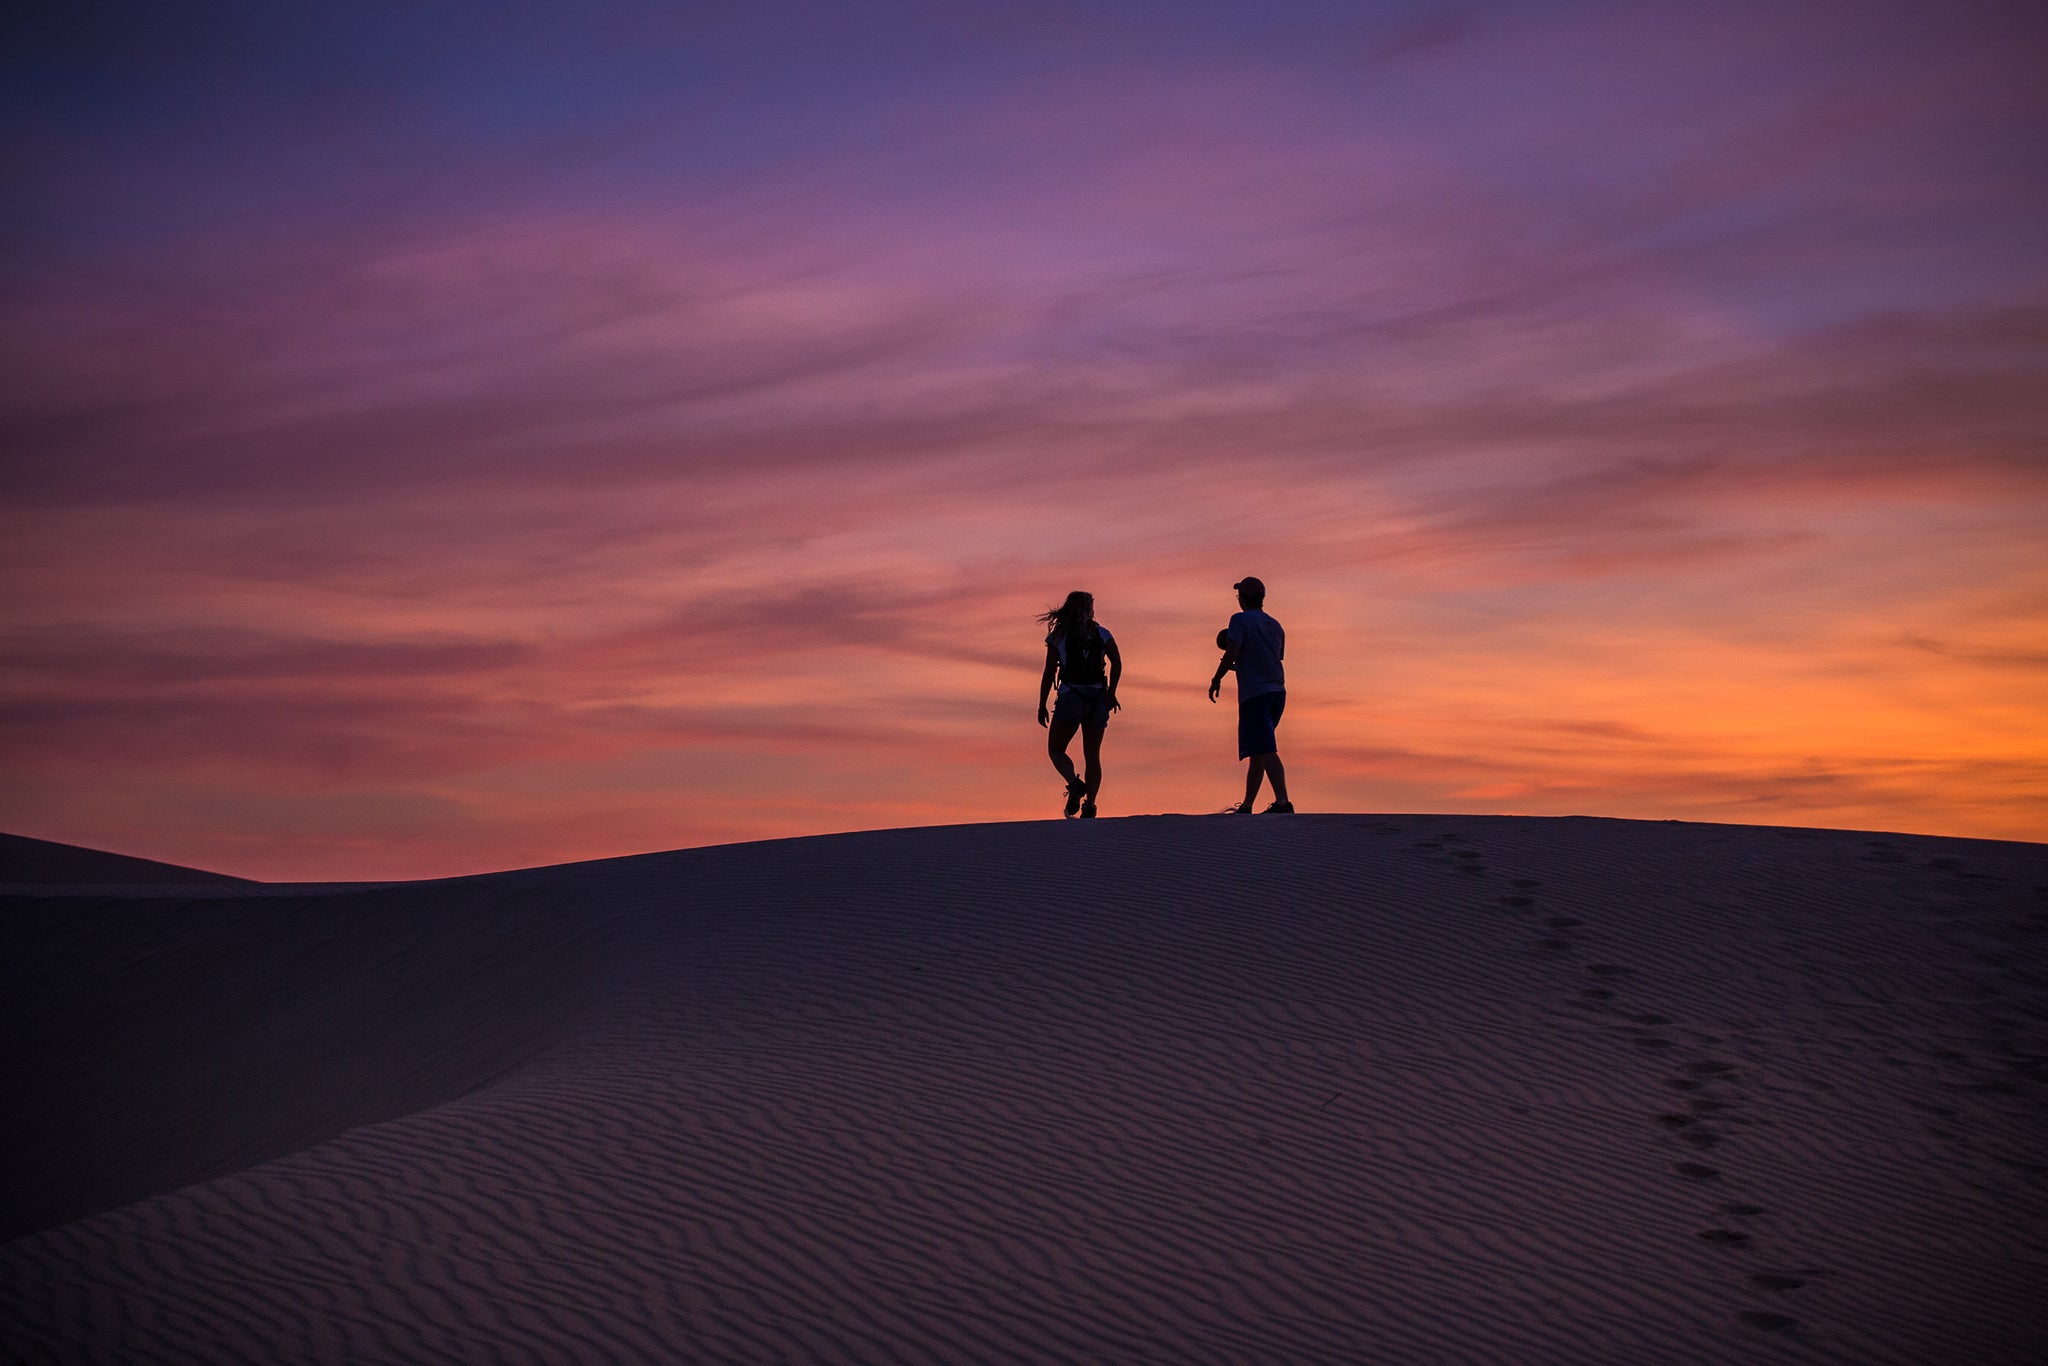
1709,1068
1725,1237
1744,1211
1553,945
1563,922
1597,994
1693,1171
1525,883
1769,1323
1516,901
1765,1280
1649,1019
1653,1041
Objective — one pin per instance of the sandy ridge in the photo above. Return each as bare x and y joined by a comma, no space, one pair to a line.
30,863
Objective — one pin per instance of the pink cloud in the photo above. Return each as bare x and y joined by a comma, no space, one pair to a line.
1628,407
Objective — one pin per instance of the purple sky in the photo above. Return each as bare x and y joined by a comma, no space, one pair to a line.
450,437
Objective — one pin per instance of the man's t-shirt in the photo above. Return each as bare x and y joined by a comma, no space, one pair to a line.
1058,641
1261,645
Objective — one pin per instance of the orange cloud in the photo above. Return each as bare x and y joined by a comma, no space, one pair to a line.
1655,437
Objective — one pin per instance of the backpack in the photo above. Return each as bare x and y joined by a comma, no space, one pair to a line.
1083,666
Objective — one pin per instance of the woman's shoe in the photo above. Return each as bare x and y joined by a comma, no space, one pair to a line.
1087,811
1280,809
1075,792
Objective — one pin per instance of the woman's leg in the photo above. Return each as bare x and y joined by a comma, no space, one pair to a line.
1058,736
1091,755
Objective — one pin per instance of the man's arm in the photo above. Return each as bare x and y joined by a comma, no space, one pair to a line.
1116,670
1052,662
1223,666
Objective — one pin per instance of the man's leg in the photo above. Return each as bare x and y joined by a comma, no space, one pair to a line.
1091,755
1275,704
1252,777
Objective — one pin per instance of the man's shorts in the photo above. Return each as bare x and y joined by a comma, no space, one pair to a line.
1256,719
1088,709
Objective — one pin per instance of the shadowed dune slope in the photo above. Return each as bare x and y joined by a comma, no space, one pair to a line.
25,861
158,1041
1328,1088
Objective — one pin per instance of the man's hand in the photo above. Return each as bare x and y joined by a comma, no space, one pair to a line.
1223,665
1115,705
1041,713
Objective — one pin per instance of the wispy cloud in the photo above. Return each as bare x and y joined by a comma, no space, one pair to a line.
1635,410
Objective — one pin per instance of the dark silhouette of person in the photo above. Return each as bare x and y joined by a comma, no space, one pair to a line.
1085,656
1254,645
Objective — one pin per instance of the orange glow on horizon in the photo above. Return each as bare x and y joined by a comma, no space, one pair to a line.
428,457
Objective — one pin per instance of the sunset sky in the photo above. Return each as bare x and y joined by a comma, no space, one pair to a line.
452,437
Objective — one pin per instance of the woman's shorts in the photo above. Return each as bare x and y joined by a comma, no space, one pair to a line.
1086,709
1256,719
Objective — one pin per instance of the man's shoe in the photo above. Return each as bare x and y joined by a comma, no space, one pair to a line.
1280,809
1075,792
1087,811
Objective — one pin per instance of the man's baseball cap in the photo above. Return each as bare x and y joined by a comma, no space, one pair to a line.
1248,584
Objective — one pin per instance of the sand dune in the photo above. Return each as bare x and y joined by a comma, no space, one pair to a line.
31,862
1175,1089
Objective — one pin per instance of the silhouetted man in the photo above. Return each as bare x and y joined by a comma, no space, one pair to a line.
1254,644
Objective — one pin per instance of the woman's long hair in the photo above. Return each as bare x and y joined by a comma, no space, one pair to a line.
1077,610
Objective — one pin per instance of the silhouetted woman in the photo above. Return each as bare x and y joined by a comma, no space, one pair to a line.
1086,659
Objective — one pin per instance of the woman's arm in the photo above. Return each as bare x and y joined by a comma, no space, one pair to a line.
1052,663
1116,670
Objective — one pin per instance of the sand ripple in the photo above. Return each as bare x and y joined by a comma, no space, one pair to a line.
1338,1088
